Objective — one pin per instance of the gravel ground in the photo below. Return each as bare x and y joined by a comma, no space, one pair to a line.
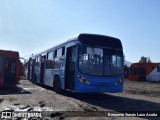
137,96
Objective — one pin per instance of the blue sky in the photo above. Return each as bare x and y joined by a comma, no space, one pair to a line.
31,26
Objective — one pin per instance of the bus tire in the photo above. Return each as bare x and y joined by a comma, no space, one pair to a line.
57,85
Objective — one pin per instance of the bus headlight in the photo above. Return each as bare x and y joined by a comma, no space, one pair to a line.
119,81
83,80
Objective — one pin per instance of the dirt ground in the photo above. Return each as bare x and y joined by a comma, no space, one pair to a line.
137,96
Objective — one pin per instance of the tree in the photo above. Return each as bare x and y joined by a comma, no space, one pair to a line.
149,60
144,59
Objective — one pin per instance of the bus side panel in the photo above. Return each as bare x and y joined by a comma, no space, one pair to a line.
37,73
134,77
135,67
60,73
48,80
11,69
62,80
154,75
2,60
149,68
17,70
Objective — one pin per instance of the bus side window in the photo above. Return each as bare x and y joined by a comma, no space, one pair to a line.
50,62
158,68
63,51
132,71
59,57
141,71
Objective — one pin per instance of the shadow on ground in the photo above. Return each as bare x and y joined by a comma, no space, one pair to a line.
112,102
117,103
7,90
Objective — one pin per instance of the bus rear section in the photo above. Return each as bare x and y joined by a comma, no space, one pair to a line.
9,68
145,71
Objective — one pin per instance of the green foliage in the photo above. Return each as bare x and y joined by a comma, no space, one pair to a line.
144,59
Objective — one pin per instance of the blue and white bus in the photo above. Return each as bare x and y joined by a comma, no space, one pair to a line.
85,63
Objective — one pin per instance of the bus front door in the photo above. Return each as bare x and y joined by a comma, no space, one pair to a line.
70,68
43,59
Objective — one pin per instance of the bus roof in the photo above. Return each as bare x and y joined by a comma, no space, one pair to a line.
75,38
9,53
143,64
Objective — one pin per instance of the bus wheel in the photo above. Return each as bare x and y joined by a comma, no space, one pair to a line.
142,78
57,85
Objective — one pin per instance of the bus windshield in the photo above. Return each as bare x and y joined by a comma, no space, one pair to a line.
1,64
100,61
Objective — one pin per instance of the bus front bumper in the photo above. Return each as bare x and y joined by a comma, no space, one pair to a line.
84,88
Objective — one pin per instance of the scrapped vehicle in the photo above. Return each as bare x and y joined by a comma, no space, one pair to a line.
145,71
9,68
